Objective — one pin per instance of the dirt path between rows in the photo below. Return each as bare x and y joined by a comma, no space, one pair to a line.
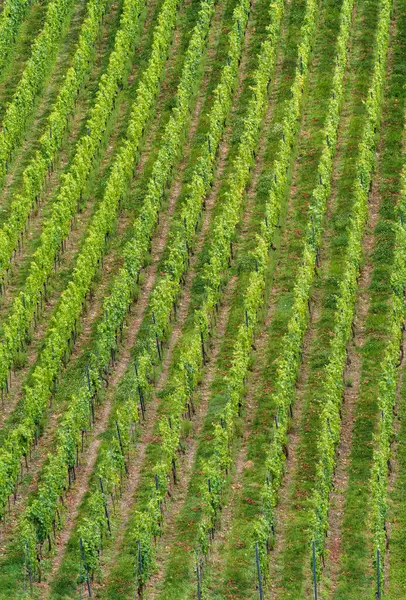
124,361
353,372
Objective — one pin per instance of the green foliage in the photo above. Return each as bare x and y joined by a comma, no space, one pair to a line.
333,385
388,384
12,14
112,462
189,367
289,360
50,142
63,326
58,225
32,81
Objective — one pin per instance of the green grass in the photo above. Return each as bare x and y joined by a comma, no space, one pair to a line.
122,573
230,571
179,579
356,561
290,567
235,576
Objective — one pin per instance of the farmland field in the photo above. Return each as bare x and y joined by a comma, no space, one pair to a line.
202,299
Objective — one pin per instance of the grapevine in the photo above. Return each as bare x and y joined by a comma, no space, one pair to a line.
387,386
188,369
50,142
58,225
288,362
32,80
10,21
217,466
333,385
41,516
63,326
